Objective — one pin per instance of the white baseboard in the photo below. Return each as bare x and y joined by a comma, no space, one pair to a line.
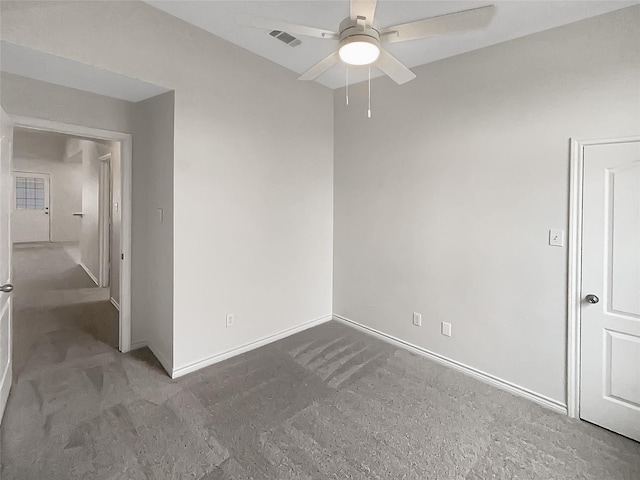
93,277
4,389
115,304
461,367
205,362
161,358
138,345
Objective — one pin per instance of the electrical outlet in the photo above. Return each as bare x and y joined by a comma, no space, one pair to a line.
556,237
230,319
417,319
446,329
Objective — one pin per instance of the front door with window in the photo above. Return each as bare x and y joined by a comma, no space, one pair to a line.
30,216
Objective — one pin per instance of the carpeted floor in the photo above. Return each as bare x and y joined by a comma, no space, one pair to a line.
328,403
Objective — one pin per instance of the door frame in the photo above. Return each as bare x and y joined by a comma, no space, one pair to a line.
574,285
13,200
104,219
126,143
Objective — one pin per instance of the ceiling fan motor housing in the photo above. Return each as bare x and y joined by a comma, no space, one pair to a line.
353,32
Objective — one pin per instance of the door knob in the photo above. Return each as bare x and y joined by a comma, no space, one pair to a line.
6,288
592,298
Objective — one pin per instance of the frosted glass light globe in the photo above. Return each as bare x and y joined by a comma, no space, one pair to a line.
359,50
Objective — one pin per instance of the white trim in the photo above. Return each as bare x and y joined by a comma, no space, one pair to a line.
205,362
461,367
104,218
5,391
573,279
93,277
139,344
115,304
161,358
574,287
126,143
126,163
5,388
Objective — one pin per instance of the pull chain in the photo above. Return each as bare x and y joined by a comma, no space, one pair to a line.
347,88
369,92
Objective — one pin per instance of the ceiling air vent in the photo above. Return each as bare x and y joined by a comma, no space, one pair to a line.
286,38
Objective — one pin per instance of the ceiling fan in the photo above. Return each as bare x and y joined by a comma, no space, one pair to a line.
360,37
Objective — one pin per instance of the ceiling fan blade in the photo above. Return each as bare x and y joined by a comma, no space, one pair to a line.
463,21
321,67
264,23
393,68
363,8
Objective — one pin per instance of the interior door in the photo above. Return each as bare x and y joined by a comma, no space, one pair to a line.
6,134
30,216
610,311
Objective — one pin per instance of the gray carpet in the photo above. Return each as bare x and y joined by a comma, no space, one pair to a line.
328,403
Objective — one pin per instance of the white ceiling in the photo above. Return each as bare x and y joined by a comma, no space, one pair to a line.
43,66
513,19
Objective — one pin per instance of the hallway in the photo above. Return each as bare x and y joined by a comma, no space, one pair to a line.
66,367
57,307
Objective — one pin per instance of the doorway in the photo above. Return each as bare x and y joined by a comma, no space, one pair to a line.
604,285
110,264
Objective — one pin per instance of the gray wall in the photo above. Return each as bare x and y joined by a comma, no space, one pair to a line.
90,230
253,167
152,249
33,98
444,198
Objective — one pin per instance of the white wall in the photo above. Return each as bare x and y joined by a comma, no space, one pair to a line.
253,166
38,145
65,195
33,98
443,199
90,230
153,215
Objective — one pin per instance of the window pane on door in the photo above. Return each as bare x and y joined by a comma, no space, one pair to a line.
29,193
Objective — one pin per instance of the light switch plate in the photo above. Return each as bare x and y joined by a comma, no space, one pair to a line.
446,329
230,319
417,319
556,237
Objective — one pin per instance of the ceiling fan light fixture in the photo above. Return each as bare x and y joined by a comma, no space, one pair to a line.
359,50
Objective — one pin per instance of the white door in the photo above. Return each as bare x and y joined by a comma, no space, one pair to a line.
610,311
6,132
30,215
